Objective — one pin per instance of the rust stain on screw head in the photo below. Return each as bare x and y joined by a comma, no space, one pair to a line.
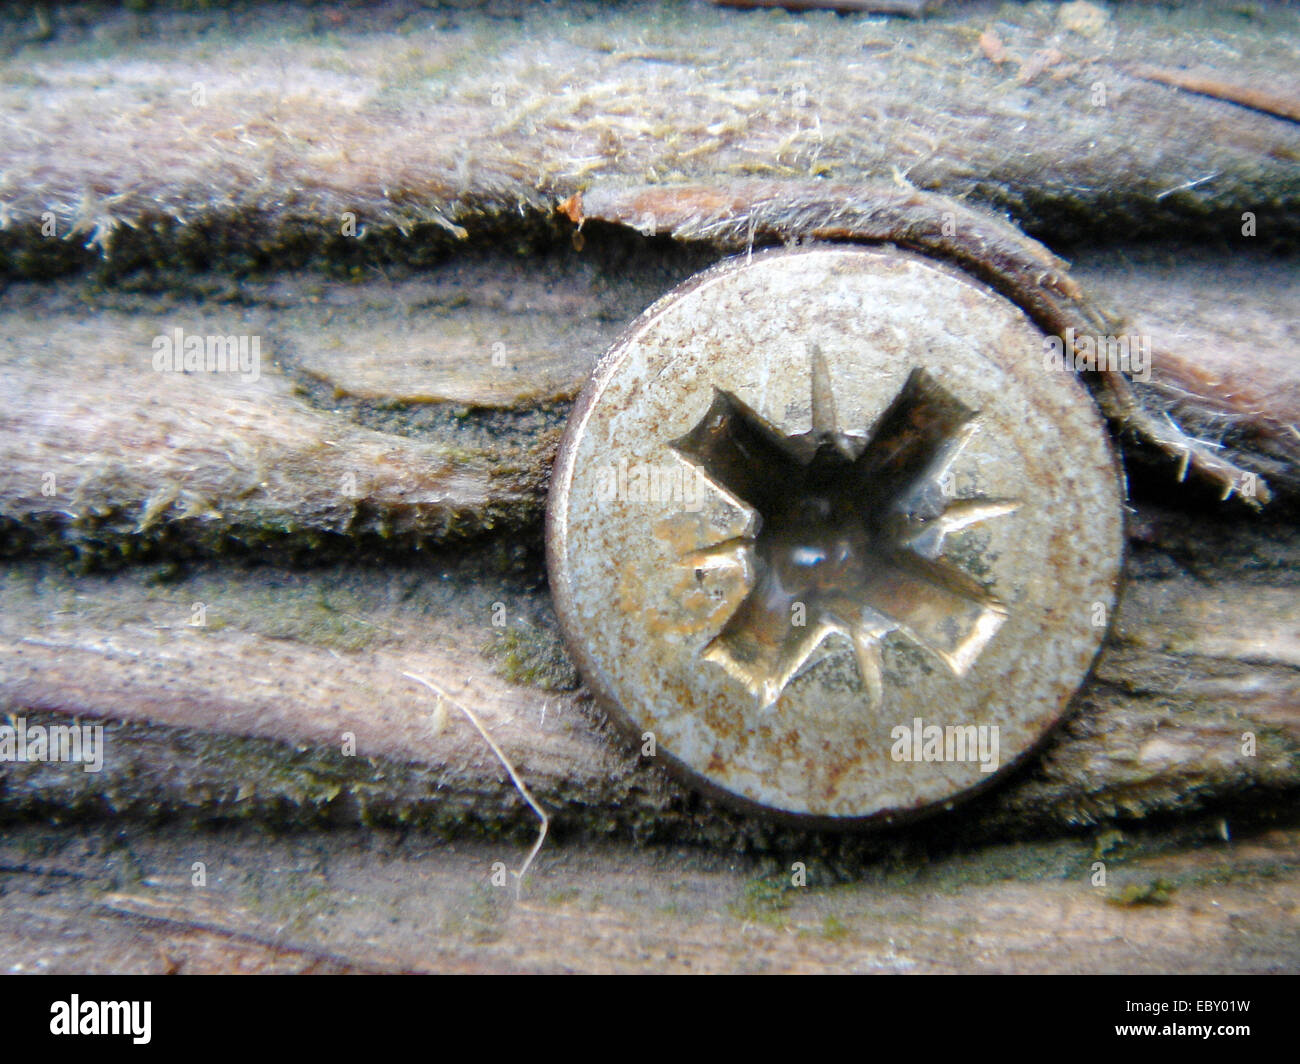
825,524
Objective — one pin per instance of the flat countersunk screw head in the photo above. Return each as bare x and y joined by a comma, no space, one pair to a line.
829,526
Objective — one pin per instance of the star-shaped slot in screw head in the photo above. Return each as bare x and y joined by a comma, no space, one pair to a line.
850,537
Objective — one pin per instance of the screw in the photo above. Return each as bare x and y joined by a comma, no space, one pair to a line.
827,525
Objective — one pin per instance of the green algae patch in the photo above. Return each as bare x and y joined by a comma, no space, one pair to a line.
531,657
1155,892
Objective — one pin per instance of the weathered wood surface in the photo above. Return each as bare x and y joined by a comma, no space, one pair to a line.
386,417
1206,649
123,899
400,141
244,137
357,511
207,467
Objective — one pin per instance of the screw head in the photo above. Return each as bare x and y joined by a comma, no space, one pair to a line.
827,534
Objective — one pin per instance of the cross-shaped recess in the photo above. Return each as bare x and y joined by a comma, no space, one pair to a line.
851,534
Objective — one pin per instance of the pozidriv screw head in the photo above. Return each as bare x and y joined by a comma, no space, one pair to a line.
827,527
